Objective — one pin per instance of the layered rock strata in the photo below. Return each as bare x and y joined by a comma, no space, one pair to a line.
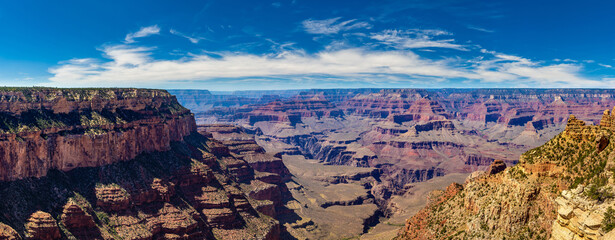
63,129
122,164
531,200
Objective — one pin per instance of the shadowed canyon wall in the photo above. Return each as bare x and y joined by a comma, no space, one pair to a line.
127,164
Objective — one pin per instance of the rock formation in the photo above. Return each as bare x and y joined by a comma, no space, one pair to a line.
42,226
531,200
8,233
64,129
78,220
126,164
270,173
496,167
580,217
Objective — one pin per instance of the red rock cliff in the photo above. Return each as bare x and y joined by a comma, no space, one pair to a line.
43,129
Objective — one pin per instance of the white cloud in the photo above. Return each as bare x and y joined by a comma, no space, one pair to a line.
416,38
332,26
605,65
143,32
192,39
136,66
535,74
133,66
123,55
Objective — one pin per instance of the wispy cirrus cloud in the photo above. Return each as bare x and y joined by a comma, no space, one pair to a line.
143,32
417,38
480,29
192,39
332,26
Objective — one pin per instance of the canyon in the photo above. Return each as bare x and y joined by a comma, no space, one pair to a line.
415,140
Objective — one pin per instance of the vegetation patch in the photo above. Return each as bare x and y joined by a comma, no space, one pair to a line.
608,222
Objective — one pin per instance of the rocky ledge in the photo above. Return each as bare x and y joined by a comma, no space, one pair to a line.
581,217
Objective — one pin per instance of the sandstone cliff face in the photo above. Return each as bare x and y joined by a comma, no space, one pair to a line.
124,164
270,173
32,154
529,200
59,129
294,110
184,193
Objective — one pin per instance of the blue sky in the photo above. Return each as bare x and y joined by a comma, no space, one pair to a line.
291,44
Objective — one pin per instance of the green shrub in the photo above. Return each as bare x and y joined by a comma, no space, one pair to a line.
608,222
595,192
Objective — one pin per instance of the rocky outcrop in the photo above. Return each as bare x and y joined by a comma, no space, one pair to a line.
382,103
496,166
42,226
390,129
435,126
422,110
602,142
525,201
478,160
608,119
8,233
78,221
112,197
266,183
580,217
245,147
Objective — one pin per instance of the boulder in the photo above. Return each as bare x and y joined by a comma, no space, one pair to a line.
565,211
